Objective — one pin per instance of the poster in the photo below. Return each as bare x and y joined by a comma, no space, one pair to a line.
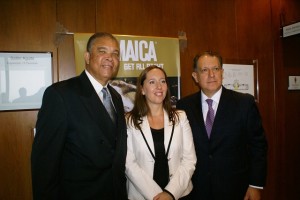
24,77
137,53
239,77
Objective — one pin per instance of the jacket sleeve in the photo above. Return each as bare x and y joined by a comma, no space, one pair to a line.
48,146
257,146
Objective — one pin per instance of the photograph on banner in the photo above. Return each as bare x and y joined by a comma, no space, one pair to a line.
136,54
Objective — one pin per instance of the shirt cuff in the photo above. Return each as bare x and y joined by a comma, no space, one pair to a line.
257,187
169,193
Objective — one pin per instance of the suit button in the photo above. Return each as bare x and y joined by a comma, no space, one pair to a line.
210,157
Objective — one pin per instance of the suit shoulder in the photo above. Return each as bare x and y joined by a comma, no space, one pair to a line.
188,98
63,87
240,95
185,102
238,98
181,114
65,83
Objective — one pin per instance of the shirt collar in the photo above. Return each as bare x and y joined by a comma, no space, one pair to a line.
97,86
216,97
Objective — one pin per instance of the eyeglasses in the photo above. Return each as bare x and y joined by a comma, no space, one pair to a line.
206,70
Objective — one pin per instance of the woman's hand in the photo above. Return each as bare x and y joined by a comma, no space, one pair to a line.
163,196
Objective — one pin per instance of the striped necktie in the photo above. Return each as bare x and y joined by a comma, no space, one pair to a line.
210,117
108,104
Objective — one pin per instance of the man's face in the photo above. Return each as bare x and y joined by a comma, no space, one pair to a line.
103,60
209,75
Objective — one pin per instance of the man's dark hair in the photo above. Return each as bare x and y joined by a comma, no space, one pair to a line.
98,35
207,53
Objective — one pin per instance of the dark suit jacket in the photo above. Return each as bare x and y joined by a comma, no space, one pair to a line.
78,153
235,154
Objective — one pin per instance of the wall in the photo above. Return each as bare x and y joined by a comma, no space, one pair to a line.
24,26
286,63
238,29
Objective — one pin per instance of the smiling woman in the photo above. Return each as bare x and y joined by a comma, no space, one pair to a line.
159,162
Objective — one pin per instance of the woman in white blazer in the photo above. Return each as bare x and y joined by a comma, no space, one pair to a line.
161,155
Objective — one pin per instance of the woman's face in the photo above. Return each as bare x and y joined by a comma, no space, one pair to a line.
155,87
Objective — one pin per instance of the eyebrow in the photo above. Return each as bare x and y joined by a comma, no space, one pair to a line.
210,67
106,48
101,47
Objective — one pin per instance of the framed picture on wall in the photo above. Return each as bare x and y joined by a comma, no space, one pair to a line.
241,76
24,77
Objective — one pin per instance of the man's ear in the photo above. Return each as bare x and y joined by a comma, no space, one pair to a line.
195,77
87,57
222,74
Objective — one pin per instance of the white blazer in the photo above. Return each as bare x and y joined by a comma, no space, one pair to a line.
140,163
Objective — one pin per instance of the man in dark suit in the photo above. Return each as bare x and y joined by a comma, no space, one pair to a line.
231,157
79,151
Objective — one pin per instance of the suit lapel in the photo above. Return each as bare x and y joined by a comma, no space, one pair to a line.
148,135
222,113
116,102
223,107
197,108
90,99
197,112
167,130
93,104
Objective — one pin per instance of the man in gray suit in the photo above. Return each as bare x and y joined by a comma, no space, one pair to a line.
79,151
232,154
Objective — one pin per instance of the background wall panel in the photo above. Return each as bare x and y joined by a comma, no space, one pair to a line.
286,62
26,25
239,30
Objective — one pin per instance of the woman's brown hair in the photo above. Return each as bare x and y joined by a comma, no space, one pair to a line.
141,108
